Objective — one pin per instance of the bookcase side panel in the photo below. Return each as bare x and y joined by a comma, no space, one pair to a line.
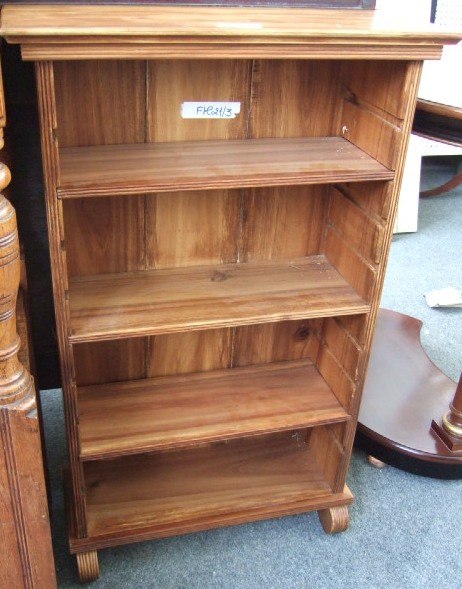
103,103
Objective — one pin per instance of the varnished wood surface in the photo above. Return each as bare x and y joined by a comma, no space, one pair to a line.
270,270
142,168
404,391
155,495
168,412
93,32
235,22
164,301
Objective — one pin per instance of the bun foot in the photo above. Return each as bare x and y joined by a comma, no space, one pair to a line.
87,565
376,462
334,519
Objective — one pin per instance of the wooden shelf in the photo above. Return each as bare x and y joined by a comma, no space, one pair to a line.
168,412
110,170
156,495
164,301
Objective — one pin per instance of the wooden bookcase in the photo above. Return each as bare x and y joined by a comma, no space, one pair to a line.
216,281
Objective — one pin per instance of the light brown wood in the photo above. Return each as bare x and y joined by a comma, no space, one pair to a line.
55,222
216,281
169,412
163,167
204,31
271,476
334,519
87,565
165,301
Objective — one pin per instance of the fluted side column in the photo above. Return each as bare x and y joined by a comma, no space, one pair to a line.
27,557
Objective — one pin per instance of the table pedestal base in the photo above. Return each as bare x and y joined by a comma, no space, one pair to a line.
403,393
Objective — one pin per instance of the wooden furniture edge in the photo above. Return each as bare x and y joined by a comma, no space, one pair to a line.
63,32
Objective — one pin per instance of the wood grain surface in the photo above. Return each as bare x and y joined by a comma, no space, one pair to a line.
168,412
169,493
164,301
189,165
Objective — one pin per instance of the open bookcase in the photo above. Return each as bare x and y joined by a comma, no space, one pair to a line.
216,280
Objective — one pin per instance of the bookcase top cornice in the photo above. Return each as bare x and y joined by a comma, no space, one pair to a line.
142,31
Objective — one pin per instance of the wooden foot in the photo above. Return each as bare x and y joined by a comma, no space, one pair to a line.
375,462
334,519
87,565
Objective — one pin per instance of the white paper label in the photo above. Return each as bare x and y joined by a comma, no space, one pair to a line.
210,110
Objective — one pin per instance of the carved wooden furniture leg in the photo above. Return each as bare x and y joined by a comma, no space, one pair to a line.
450,427
87,565
26,541
334,519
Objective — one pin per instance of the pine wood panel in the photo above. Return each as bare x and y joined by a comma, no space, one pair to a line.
50,157
359,273
192,228
374,198
342,384
93,119
272,342
170,83
170,412
347,218
193,351
165,301
205,31
355,326
282,222
370,132
163,494
379,86
328,453
110,361
343,347
133,169
297,98
99,237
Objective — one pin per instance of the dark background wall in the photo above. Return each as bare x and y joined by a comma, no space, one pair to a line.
22,145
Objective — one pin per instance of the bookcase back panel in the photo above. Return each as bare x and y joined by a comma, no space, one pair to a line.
294,98
105,235
172,83
273,342
282,222
110,361
195,351
277,98
192,228
84,113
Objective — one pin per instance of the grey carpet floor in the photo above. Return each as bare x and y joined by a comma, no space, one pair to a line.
404,529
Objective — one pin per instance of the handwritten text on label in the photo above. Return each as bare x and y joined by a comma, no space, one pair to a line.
210,110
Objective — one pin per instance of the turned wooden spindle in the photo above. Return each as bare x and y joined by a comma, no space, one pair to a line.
450,427
26,537
15,381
